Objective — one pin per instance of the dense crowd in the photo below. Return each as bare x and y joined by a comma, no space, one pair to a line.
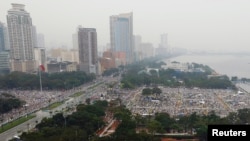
181,101
35,100
175,101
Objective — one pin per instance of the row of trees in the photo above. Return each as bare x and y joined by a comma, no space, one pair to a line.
62,80
135,76
162,122
149,91
79,126
110,72
83,124
8,102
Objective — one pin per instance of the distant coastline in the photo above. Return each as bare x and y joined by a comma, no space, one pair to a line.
224,64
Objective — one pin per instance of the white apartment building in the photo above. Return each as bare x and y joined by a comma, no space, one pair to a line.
21,39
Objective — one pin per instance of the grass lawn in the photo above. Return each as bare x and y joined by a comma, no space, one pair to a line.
53,105
77,94
15,123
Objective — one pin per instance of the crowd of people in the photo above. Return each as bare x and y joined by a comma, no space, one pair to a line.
181,101
175,101
34,100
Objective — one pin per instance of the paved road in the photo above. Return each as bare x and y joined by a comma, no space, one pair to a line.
24,127
71,102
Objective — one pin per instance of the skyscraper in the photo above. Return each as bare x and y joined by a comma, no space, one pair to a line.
21,39
4,54
4,39
121,35
4,62
163,49
87,43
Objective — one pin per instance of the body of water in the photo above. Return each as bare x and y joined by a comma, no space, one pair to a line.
231,65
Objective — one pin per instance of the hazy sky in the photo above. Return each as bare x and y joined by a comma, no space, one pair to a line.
191,24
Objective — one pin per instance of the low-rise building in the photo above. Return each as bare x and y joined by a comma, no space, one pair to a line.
176,66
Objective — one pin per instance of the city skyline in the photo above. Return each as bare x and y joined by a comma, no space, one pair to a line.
194,24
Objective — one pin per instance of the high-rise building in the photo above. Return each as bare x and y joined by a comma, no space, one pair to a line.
21,39
2,41
4,62
4,47
163,49
87,42
121,35
4,38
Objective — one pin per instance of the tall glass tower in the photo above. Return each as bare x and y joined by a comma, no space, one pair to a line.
121,35
4,39
4,54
